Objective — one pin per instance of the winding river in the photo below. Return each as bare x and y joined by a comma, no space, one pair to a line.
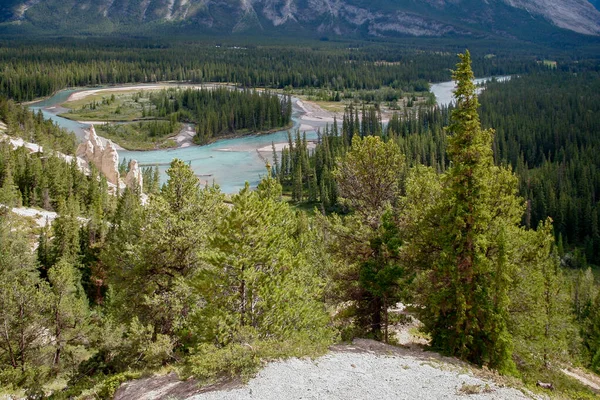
228,162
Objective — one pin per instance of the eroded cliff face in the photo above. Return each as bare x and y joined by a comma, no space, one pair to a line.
381,18
106,159
134,179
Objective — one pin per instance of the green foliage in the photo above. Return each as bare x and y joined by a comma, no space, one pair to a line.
366,243
69,314
260,253
36,70
221,288
158,248
465,293
141,135
107,388
369,176
9,192
33,128
554,150
591,335
565,387
541,319
210,363
24,301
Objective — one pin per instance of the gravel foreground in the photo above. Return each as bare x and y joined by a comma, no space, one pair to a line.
364,370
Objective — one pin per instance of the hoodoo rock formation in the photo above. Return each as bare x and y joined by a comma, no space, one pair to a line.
134,178
106,160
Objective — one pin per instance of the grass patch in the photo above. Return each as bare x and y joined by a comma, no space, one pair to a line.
565,387
128,105
467,389
98,96
418,333
549,63
211,364
147,135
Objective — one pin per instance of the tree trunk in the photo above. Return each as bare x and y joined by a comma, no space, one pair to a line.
243,302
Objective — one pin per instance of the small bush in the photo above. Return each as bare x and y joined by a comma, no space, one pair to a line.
244,357
470,389
107,388
210,363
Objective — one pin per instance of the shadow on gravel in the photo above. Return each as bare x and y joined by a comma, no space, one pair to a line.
168,387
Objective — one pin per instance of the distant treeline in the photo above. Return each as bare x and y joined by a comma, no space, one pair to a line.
222,111
35,70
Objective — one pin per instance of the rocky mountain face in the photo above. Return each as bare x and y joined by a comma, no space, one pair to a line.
322,17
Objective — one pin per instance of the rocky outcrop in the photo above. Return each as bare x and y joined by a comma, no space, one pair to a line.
35,148
110,163
106,159
134,178
576,15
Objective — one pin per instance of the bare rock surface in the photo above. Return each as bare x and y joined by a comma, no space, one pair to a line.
106,159
134,178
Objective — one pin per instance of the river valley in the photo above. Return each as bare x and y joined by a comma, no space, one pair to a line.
228,162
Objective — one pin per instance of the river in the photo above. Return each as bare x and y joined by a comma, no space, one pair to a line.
443,91
228,162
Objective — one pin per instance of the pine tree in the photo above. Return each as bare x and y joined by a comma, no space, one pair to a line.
10,195
68,311
150,280
261,275
24,299
66,229
367,242
369,175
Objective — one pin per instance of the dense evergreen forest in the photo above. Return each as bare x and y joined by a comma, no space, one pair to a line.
35,70
546,129
434,211
220,111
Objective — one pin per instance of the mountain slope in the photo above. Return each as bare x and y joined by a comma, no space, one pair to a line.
506,18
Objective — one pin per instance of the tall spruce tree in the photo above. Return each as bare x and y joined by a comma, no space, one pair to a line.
466,295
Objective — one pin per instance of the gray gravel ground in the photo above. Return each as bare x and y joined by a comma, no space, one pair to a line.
367,370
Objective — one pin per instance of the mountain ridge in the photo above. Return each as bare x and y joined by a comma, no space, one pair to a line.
377,18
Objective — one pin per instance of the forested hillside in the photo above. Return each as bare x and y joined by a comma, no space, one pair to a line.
545,128
427,211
